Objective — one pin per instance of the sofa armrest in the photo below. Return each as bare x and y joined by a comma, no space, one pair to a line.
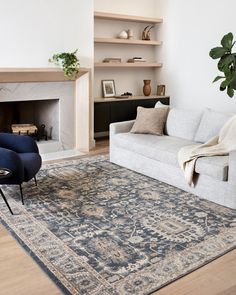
121,127
18,143
232,168
10,160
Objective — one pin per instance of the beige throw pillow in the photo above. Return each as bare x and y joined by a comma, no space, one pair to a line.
150,121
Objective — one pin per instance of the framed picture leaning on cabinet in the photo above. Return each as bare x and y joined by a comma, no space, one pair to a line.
108,88
161,90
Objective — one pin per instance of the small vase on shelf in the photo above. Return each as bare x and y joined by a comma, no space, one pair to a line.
147,87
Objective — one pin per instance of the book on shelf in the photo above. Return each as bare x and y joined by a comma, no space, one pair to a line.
112,60
136,59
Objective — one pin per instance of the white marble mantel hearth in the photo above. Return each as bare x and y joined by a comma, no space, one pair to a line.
75,103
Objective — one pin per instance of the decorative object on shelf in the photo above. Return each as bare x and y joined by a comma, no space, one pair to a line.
137,59
226,64
108,87
112,60
68,62
147,87
161,90
128,93
123,35
130,34
146,35
124,95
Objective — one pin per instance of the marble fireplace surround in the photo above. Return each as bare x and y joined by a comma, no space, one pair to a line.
49,83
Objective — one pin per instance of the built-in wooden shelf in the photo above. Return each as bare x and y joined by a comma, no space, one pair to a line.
128,65
128,18
21,75
126,41
137,97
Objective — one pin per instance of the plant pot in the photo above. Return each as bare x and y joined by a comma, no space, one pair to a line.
147,87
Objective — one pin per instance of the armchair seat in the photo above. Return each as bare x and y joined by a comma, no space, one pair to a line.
21,156
32,163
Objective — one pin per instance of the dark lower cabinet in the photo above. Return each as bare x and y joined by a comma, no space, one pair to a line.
109,112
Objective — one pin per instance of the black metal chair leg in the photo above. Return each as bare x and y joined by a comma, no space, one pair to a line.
21,193
35,180
5,200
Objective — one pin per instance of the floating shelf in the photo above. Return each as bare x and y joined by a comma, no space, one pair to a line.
134,97
128,65
126,41
128,18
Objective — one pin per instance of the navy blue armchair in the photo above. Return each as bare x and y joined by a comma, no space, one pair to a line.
20,154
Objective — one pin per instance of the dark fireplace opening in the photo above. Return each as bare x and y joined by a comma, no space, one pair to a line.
43,114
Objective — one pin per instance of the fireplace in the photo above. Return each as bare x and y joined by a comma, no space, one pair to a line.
36,112
44,96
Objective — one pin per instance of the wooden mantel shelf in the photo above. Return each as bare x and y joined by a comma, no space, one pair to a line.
23,75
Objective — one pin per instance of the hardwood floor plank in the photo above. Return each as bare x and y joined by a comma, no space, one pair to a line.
215,278
19,274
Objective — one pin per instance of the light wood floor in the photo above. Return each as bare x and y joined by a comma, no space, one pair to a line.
20,275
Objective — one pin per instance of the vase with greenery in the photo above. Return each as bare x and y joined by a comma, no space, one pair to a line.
68,62
226,64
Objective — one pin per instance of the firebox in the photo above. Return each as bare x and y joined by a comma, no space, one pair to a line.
38,118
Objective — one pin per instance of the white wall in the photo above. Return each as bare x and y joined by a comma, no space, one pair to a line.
32,31
132,7
190,29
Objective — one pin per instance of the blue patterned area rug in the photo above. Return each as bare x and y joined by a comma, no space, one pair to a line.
99,229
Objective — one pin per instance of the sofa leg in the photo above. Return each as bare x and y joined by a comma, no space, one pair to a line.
21,194
35,180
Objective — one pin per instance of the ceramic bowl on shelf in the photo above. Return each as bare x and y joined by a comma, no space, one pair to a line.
123,35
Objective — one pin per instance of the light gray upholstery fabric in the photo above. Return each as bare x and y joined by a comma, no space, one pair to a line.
207,187
160,148
210,125
183,123
216,167
165,149
221,192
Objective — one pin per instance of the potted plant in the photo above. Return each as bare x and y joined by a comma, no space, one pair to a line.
68,62
226,64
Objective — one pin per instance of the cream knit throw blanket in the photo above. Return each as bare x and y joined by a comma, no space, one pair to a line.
220,145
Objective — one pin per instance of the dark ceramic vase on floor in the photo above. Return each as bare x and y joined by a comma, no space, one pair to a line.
147,87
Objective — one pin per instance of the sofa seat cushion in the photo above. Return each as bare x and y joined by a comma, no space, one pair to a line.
165,149
215,167
161,148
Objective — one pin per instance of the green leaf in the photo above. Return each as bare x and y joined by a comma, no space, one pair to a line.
218,52
226,62
230,91
223,85
227,41
218,78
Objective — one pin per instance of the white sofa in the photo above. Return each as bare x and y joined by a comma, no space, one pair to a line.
157,156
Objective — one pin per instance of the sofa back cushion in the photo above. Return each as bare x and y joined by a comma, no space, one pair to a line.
183,123
210,125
